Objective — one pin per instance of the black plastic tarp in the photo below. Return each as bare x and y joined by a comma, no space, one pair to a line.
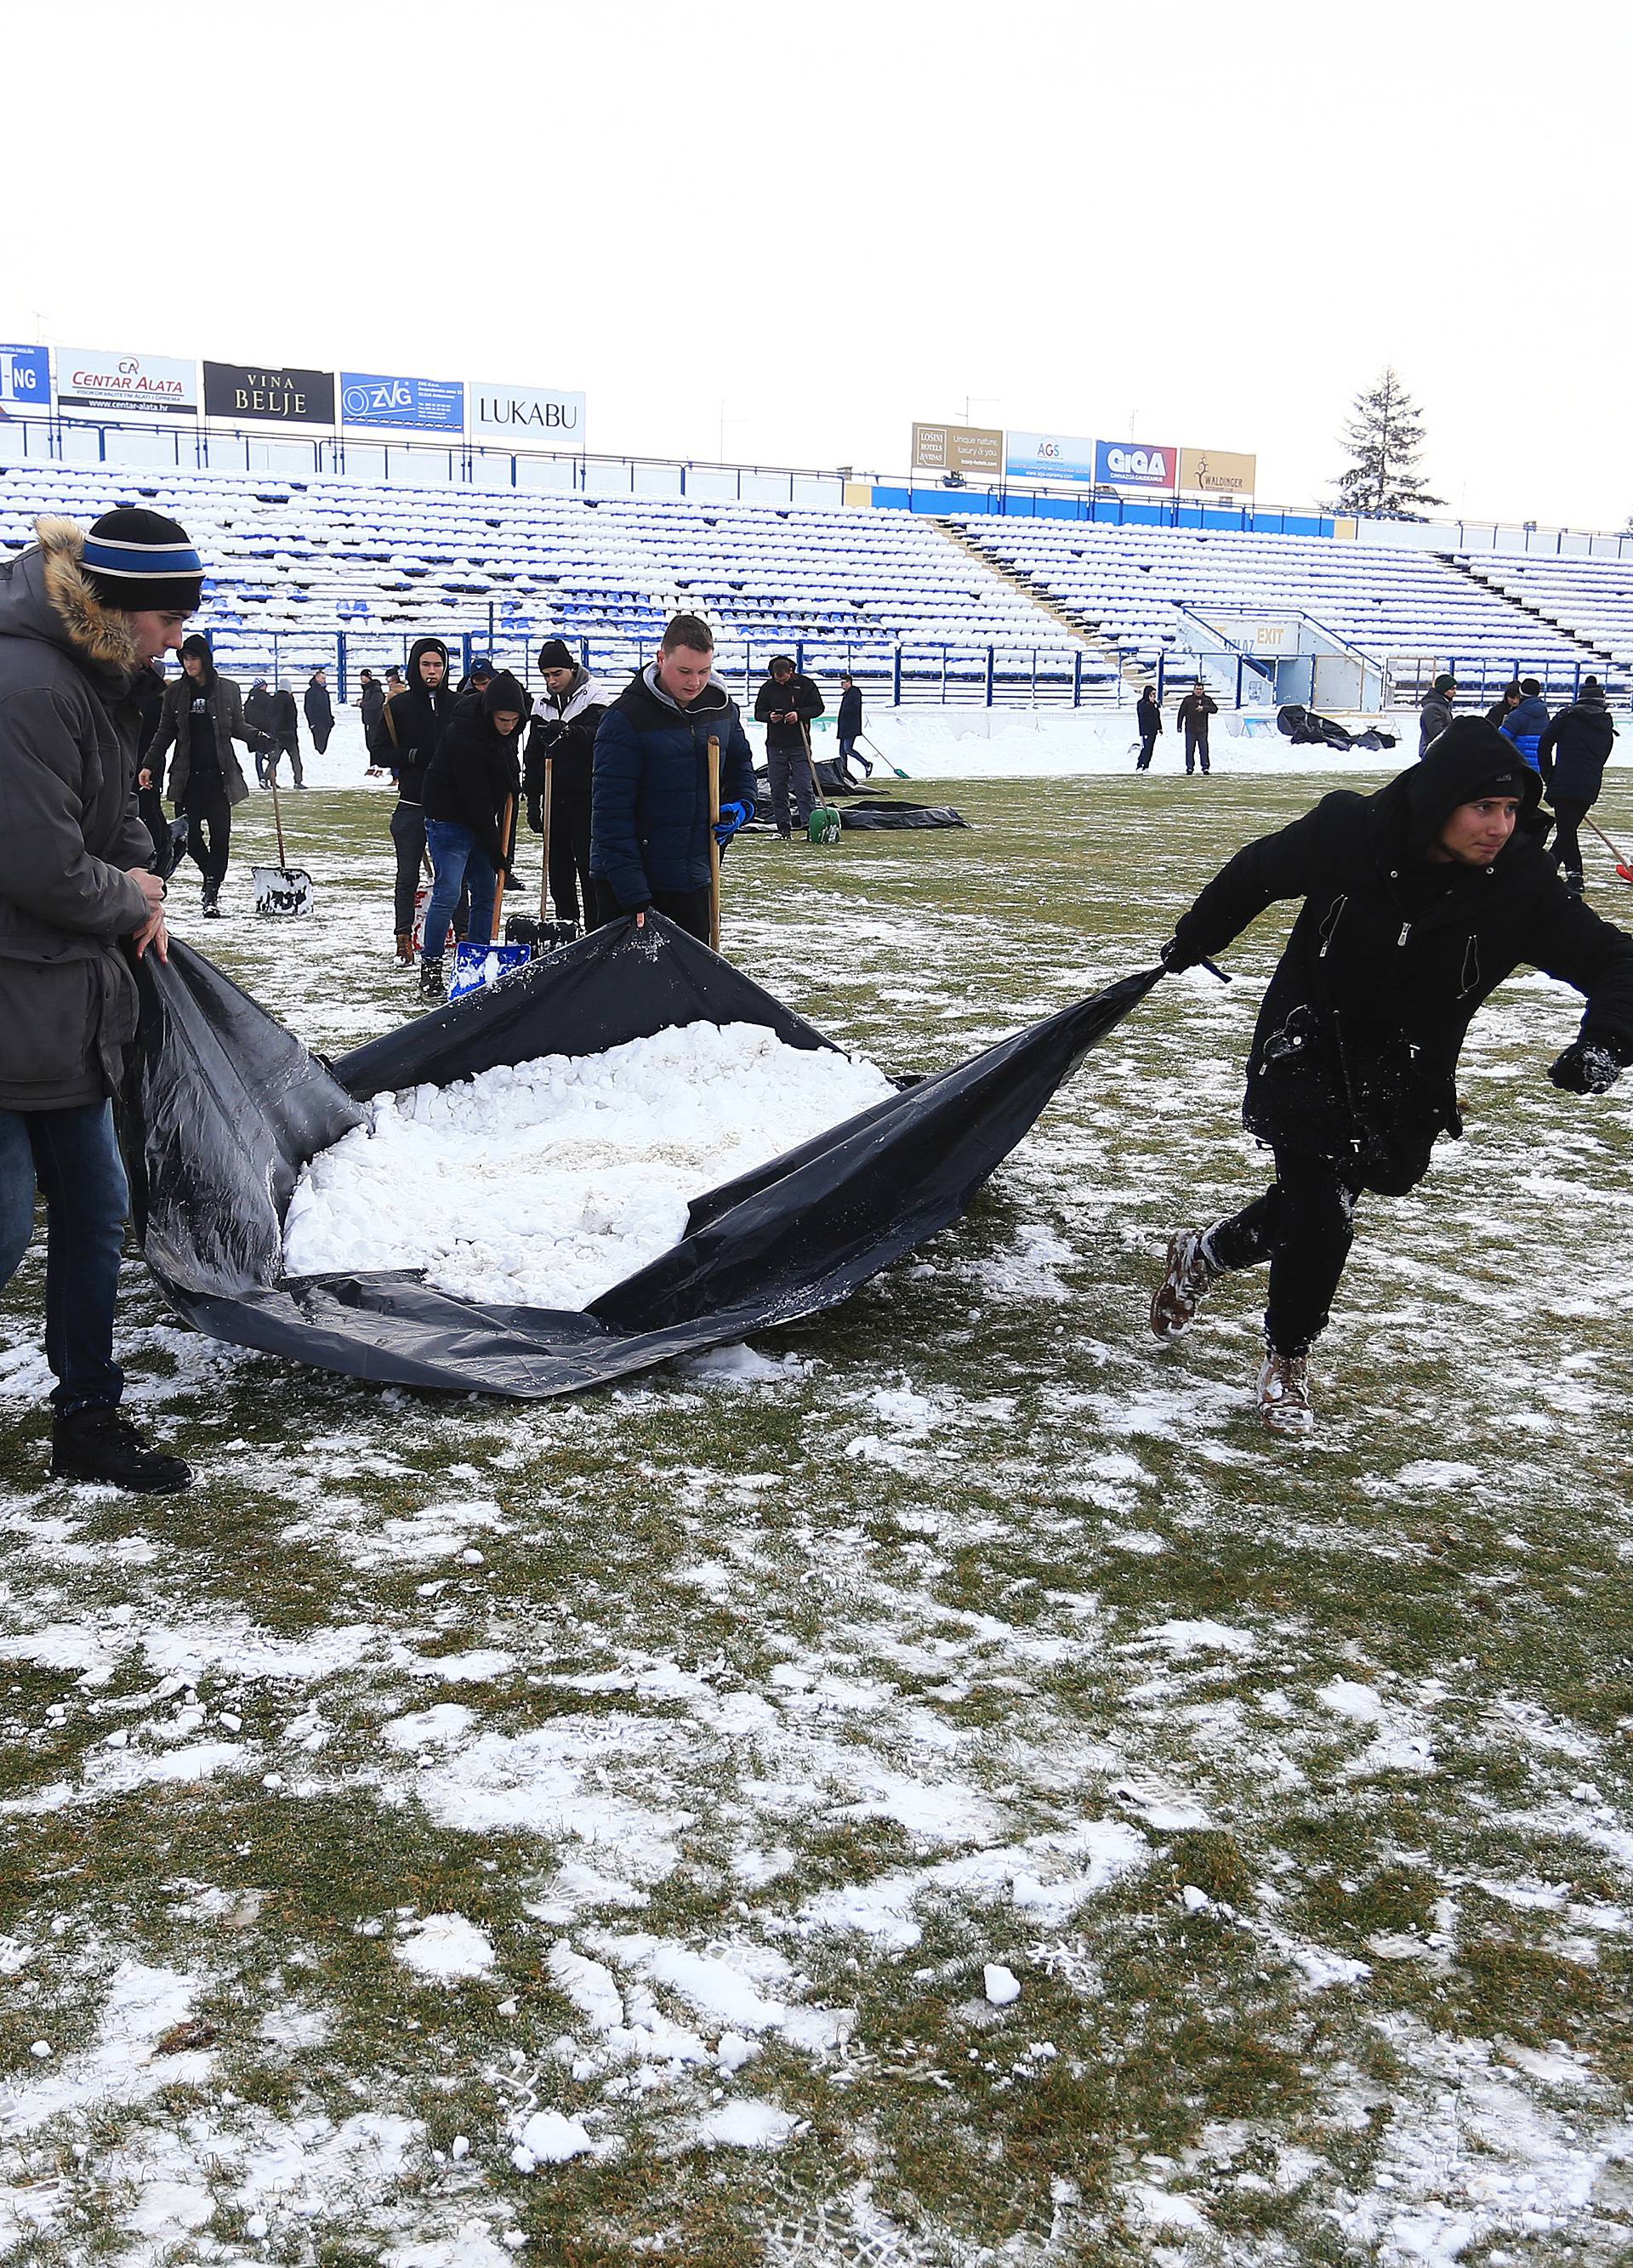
890,811
225,1108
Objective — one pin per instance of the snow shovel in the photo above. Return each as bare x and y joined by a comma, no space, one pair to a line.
883,758
1622,867
544,936
476,965
822,824
714,844
283,888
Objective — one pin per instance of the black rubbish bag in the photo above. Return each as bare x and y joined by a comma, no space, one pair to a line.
889,812
224,1107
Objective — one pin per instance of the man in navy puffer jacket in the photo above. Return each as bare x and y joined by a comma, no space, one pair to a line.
649,796
1526,721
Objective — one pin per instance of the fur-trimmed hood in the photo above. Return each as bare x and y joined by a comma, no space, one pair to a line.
45,593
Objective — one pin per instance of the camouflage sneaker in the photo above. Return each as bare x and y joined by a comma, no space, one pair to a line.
1284,1393
1189,1277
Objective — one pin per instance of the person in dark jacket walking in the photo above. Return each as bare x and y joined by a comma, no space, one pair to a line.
257,717
1194,713
1435,711
471,787
202,717
848,729
284,733
1148,724
563,734
1571,756
82,617
320,709
406,738
649,813
785,705
1419,901
1528,720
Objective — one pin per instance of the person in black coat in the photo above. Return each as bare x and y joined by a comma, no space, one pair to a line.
470,797
1194,713
1436,710
371,700
648,804
848,729
563,735
407,734
257,717
1148,724
1419,901
319,710
282,734
785,705
1571,755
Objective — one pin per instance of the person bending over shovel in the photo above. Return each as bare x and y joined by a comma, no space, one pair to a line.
473,777
1419,901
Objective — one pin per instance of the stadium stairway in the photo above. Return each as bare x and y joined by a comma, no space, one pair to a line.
1507,588
1134,673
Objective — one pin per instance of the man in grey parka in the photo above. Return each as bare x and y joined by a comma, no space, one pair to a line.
83,616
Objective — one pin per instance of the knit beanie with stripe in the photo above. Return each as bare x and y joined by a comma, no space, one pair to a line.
139,561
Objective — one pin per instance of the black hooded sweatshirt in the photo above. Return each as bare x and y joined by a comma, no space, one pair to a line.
412,723
1573,752
1354,1054
474,771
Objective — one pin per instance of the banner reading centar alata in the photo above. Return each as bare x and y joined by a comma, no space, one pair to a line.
531,416
89,378
1047,457
435,405
1136,464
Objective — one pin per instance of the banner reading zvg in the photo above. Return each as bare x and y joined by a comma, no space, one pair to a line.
278,397
435,405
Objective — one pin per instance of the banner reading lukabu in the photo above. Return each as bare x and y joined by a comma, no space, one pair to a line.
433,405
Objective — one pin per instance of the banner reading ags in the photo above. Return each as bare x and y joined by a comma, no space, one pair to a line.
87,378
426,404
281,397
1049,457
1135,464
541,418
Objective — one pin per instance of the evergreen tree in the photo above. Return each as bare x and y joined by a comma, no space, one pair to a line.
1384,439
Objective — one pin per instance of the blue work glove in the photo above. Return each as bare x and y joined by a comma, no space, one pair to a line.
732,816
1585,1069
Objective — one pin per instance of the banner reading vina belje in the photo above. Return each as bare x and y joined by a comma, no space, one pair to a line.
280,397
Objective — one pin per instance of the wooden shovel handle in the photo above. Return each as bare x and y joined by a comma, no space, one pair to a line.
714,842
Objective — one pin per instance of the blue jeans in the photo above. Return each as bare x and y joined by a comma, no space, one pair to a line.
72,1157
455,862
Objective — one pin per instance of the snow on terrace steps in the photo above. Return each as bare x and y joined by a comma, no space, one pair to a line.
544,1183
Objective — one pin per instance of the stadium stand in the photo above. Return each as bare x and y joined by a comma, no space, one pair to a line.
1592,598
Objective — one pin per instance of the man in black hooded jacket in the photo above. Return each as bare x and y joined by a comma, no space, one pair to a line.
1571,755
1419,901
405,737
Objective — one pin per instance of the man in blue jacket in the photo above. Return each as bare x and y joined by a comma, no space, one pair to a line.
1528,720
649,795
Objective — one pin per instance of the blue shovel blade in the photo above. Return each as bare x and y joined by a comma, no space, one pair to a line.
476,965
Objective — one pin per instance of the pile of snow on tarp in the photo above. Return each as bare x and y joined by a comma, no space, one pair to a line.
548,1182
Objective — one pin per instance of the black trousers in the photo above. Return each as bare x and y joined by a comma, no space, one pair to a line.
688,910
1148,742
320,736
569,855
1567,851
1196,745
210,833
285,744
1304,1227
408,833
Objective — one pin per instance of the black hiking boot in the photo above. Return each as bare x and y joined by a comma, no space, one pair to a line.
211,906
99,1445
431,986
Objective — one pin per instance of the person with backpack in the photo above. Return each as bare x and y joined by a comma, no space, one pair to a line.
1528,720
201,716
406,736
785,705
470,797
320,709
1147,724
1194,713
563,734
1418,902
1571,756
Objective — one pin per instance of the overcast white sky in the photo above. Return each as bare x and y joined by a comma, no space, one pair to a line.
1208,223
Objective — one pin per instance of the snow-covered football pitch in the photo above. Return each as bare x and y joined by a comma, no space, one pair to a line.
937,1785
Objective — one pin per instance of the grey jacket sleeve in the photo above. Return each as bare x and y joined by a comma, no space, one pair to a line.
45,867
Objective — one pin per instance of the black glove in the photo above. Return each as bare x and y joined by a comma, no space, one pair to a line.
1173,960
1585,1069
549,730
535,813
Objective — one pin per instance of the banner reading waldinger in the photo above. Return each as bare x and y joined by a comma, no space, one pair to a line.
274,397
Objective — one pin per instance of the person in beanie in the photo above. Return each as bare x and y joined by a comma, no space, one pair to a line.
470,793
320,709
406,739
1147,724
203,716
1528,720
1435,711
563,734
1418,902
283,734
1193,712
785,705
1571,756
848,728
82,617
649,805
477,677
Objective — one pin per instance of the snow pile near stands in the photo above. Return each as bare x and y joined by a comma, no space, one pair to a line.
980,743
544,1183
